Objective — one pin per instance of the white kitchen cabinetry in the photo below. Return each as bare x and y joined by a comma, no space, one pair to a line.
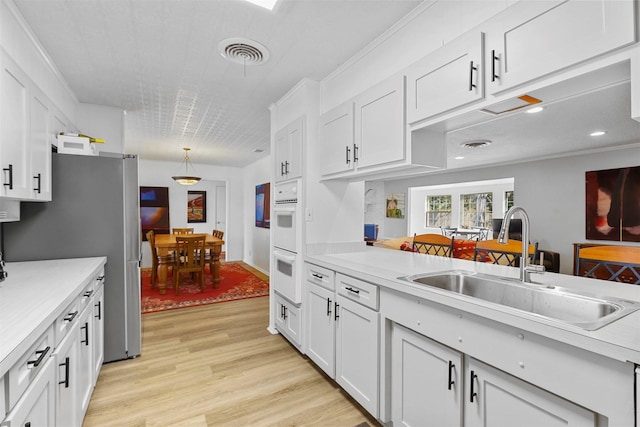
14,130
426,381
288,319
289,143
337,139
98,328
532,39
66,358
496,399
342,332
40,135
448,78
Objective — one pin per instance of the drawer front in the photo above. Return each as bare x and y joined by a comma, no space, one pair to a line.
357,290
320,276
67,319
85,296
24,371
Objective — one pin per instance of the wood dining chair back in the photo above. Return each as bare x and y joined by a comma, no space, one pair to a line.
219,234
186,230
191,259
151,238
433,244
504,254
613,263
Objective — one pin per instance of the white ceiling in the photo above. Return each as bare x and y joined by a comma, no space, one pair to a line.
158,60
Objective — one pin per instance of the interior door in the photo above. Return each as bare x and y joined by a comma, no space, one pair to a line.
221,207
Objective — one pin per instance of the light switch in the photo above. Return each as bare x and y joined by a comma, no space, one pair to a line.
308,214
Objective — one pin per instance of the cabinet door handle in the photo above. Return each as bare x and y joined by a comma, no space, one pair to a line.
328,307
284,315
494,58
472,393
348,154
39,179
99,315
86,333
452,368
286,167
41,354
355,153
350,289
281,168
335,309
10,170
66,373
471,73
71,316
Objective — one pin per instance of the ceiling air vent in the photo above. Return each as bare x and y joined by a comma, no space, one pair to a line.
243,51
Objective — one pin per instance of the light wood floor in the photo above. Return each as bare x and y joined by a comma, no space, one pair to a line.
217,365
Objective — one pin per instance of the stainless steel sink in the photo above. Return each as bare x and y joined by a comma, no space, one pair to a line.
550,302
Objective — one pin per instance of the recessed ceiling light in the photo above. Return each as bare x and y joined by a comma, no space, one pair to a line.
598,133
535,110
458,157
267,4
478,143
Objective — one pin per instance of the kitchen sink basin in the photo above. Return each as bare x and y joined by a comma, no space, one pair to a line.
550,302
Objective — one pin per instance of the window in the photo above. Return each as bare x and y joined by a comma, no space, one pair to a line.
508,200
438,211
476,210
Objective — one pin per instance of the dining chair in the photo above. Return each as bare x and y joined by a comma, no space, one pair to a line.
151,238
613,263
432,244
504,254
191,260
218,234
449,231
188,230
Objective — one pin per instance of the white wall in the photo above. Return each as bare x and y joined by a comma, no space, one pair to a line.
105,123
256,239
551,191
158,174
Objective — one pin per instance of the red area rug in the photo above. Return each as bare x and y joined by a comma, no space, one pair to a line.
236,282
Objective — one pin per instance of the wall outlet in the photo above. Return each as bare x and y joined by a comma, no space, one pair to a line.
308,214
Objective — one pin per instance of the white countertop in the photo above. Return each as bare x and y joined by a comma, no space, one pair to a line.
619,340
33,295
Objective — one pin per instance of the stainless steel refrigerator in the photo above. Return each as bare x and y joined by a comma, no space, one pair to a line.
94,212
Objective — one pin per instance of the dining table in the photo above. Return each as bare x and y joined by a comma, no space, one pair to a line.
166,246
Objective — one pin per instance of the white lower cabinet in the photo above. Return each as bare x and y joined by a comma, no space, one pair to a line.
342,332
433,384
288,320
98,329
426,382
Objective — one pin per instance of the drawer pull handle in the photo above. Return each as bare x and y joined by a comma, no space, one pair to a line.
317,276
86,333
452,368
100,278
71,316
472,393
41,355
87,294
66,373
350,289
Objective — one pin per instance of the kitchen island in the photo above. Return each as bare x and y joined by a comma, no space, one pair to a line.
492,354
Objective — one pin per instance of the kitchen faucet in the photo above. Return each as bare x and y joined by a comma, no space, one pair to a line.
503,237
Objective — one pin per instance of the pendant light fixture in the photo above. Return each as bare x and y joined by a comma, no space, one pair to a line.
186,179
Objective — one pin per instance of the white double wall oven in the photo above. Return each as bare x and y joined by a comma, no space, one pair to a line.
287,241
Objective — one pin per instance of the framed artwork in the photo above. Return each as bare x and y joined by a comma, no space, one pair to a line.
154,210
263,202
613,204
196,206
395,205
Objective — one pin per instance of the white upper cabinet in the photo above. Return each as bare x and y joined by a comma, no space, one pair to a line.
288,147
448,78
380,124
532,39
337,139
14,130
40,135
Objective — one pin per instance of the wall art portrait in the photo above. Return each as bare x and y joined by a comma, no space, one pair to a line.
196,206
613,204
395,205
